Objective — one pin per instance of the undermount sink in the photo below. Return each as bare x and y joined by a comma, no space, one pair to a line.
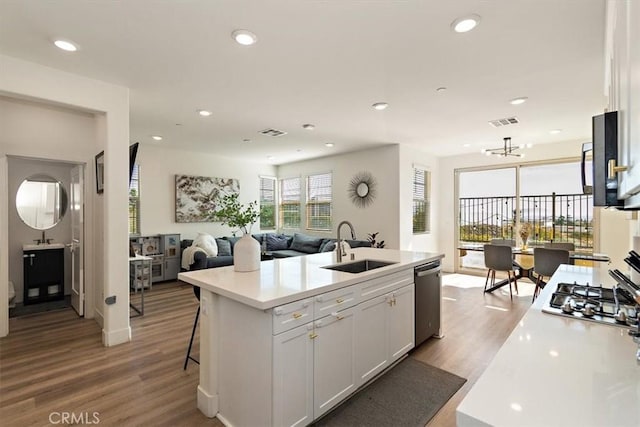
359,266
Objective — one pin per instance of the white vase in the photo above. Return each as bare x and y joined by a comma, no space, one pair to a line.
246,254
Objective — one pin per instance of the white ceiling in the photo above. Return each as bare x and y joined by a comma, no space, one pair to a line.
325,62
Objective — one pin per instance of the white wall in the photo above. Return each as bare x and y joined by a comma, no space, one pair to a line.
426,242
158,168
382,216
106,232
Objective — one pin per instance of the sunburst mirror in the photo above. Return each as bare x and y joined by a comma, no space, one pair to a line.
362,189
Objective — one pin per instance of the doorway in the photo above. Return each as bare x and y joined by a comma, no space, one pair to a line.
45,235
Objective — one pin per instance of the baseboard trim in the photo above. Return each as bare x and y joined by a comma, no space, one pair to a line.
208,403
111,338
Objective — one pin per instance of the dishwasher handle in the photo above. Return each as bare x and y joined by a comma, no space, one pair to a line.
427,269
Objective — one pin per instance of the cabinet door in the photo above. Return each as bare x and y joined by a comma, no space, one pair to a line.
334,360
401,322
293,377
372,354
171,268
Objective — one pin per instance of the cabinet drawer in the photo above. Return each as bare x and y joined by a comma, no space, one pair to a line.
291,315
337,300
384,284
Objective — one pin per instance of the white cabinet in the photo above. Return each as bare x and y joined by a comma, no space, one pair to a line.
622,60
333,360
313,367
401,322
293,377
384,331
316,351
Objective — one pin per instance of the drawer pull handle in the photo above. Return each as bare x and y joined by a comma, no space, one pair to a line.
339,300
312,335
337,316
297,315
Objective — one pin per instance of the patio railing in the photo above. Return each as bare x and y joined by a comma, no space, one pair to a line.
553,217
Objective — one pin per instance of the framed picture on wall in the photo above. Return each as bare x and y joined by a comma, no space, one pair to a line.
100,172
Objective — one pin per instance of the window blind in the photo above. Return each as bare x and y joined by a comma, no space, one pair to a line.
319,195
134,201
421,200
290,203
267,203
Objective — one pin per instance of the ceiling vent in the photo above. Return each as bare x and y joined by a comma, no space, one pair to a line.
503,122
272,132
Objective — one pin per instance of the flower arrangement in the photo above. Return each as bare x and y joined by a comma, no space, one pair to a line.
234,214
525,230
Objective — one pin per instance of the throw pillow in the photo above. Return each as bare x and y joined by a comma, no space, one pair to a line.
328,245
359,243
277,242
232,240
224,247
306,244
206,242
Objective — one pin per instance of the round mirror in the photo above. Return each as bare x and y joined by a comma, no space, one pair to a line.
362,189
41,202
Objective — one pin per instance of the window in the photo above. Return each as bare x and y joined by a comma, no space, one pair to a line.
290,203
134,201
319,202
421,200
267,203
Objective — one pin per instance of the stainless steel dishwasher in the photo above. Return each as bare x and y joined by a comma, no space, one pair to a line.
427,279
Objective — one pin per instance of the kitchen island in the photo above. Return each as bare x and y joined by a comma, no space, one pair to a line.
559,371
285,344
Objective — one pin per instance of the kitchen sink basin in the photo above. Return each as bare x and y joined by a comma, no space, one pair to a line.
359,266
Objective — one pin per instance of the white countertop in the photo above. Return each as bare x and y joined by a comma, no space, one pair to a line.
558,371
42,246
284,280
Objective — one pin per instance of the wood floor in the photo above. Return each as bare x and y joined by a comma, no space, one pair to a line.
54,363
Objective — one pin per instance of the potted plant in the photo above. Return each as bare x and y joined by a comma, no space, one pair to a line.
246,251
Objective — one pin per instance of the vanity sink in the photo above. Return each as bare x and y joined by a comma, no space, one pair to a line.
359,266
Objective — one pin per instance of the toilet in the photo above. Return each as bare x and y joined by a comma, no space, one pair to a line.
12,295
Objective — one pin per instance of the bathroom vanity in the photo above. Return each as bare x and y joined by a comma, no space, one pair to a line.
43,272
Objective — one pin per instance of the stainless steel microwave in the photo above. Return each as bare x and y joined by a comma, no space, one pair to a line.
600,152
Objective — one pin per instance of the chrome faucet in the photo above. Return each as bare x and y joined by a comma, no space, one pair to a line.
340,248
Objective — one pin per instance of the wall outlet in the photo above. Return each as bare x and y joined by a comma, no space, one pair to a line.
110,300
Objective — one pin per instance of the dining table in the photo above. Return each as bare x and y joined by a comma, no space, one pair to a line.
526,271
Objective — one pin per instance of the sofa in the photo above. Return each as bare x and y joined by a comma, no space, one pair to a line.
274,244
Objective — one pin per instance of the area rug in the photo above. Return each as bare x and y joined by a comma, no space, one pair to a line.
410,394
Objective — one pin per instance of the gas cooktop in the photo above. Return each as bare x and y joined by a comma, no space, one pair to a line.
611,306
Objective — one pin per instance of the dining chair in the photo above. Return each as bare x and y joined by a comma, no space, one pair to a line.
561,245
499,258
545,262
504,242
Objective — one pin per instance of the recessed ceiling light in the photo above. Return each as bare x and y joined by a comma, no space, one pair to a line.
555,131
156,137
66,45
380,106
465,23
441,89
329,144
204,113
518,101
244,37
308,126
246,140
